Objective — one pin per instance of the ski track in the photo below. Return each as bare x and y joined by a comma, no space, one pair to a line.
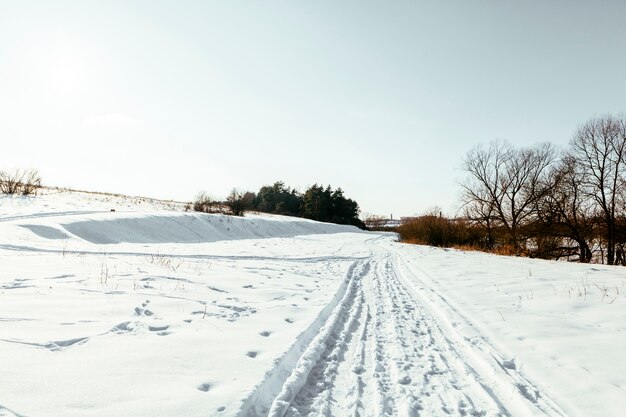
388,355
387,349
50,214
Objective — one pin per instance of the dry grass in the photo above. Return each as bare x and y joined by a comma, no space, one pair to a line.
503,250
20,181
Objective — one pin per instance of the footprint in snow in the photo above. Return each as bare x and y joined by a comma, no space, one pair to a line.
405,380
125,327
265,333
252,354
289,320
204,387
158,328
509,364
143,311
222,408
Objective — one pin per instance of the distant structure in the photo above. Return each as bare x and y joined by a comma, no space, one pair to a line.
381,223
392,222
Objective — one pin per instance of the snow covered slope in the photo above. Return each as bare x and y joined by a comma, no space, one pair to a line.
148,311
151,311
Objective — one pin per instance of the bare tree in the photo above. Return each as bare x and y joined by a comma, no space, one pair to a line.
375,222
504,185
564,212
599,147
482,191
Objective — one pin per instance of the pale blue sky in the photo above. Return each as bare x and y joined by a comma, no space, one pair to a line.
383,99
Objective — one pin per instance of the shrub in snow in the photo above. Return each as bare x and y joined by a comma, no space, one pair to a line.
18,181
239,202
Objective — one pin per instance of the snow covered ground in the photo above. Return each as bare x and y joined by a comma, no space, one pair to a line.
151,311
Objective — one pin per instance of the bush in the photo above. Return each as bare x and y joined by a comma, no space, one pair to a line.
205,204
439,231
239,202
21,182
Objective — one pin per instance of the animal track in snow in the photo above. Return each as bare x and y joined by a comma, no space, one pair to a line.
252,354
265,333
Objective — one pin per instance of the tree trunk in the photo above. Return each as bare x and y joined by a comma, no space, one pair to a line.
585,252
610,247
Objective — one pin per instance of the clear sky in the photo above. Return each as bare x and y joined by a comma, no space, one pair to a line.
381,98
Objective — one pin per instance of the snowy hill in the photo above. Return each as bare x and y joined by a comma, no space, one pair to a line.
148,310
151,311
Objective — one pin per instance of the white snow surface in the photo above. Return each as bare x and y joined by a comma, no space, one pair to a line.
152,311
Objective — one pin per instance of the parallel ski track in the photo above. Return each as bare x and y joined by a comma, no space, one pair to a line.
529,395
386,358
388,355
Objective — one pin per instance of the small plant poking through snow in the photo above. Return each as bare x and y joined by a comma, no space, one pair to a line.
166,261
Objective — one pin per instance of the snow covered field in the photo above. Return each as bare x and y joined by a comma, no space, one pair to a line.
151,311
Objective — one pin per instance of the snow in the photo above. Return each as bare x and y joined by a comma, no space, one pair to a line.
562,324
152,311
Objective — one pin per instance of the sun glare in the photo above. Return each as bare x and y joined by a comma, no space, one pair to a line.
59,65
64,68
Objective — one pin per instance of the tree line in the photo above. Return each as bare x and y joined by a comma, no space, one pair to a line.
542,202
317,203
